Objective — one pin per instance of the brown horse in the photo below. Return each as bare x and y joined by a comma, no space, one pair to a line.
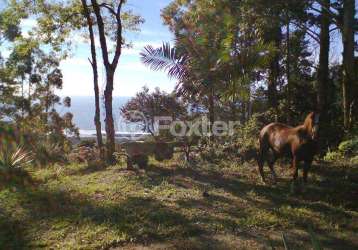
298,142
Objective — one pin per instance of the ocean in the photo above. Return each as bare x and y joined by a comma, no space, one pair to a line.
83,110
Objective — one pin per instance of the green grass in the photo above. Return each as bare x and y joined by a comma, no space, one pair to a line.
163,207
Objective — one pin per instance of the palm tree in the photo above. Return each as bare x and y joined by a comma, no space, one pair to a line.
166,58
177,64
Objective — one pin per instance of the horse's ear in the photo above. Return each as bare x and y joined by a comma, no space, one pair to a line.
316,118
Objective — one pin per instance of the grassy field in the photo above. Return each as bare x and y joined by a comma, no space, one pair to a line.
171,206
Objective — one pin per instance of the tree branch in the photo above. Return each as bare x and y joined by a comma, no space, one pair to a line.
108,7
334,16
118,50
102,35
310,32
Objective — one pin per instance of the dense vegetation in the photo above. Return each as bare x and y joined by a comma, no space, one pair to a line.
252,61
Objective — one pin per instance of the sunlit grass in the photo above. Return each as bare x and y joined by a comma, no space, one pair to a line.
80,207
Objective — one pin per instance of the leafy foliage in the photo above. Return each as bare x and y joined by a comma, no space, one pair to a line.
349,147
165,58
146,106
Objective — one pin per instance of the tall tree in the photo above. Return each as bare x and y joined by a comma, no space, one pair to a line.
323,66
349,71
319,16
110,66
274,69
111,20
93,61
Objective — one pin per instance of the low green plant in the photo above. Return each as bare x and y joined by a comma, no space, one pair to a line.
13,156
346,149
82,154
49,153
333,156
349,147
354,159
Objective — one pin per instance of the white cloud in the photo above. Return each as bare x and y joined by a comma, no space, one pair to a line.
74,62
131,74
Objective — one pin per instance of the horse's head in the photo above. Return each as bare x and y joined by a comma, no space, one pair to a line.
312,124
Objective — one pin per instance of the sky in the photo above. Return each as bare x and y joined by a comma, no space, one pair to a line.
131,74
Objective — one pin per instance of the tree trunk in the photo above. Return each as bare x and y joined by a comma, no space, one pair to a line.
288,71
274,70
323,72
348,60
110,68
211,110
97,117
108,99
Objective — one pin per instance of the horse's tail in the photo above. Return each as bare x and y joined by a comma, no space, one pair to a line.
262,148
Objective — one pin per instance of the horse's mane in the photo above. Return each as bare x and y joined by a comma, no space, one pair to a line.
308,123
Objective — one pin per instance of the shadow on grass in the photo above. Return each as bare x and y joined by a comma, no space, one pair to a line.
137,219
12,235
331,198
148,220
87,169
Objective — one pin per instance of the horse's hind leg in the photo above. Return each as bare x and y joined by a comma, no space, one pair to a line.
261,162
261,170
271,164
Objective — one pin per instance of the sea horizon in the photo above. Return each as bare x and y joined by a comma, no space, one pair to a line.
83,110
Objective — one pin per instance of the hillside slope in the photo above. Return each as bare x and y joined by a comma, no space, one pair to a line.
169,206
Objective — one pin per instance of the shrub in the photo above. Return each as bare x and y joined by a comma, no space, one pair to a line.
49,153
346,149
84,154
87,143
333,156
140,160
13,156
246,137
12,160
349,147
354,159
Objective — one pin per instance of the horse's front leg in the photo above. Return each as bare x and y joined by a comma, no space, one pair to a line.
295,168
306,168
271,166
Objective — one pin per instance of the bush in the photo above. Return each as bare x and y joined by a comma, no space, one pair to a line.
246,137
349,147
354,160
346,149
12,160
13,156
87,143
140,160
49,153
84,154
333,156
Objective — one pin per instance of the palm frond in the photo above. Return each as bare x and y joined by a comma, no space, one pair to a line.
165,58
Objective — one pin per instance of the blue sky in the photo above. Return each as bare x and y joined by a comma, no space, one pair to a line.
131,74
